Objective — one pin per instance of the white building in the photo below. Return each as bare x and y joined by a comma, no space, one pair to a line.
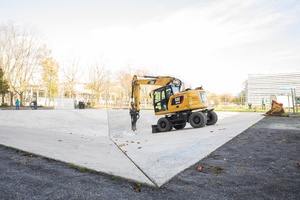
267,86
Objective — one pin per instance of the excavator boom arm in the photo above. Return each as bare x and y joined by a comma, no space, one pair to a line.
135,92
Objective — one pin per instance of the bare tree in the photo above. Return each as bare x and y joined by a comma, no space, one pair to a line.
226,98
124,78
72,74
145,89
3,85
98,80
213,98
21,55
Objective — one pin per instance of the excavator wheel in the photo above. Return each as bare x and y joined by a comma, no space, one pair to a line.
164,125
212,118
197,119
179,126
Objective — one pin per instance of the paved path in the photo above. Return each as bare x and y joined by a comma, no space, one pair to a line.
101,140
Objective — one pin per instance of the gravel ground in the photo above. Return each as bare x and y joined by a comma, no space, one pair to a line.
260,163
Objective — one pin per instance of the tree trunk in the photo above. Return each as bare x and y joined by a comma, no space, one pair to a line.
3,95
11,99
21,98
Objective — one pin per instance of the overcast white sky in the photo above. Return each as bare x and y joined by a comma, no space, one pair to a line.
214,43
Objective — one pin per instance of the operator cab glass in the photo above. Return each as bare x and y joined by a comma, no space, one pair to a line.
161,97
175,89
203,97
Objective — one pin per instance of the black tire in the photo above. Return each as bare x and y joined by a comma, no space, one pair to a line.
180,126
164,125
198,119
212,118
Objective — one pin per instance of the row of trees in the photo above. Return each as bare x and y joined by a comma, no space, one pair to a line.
22,55
27,63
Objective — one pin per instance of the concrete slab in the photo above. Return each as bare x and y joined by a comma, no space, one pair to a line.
163,155
73,136
102,140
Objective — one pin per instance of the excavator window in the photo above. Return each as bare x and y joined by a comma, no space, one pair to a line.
161,98
175,90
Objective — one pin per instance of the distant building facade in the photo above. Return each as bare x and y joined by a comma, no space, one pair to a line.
264,87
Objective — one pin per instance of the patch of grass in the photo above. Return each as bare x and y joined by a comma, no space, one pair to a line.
81,169
216,169
285,115
237,109
4,105
30,155
25,153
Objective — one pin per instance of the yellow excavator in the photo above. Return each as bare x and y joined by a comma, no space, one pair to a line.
179,107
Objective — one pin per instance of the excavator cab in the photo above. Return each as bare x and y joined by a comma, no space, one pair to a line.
162,96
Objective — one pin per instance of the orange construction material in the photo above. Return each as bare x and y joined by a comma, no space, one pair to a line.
276,110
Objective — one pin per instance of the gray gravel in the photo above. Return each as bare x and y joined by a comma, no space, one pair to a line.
260,163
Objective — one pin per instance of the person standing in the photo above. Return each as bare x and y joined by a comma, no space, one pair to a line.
89,104
75,104
249,105
35,104
17,104
263,104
